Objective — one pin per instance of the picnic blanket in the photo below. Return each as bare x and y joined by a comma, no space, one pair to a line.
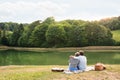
96,67
89,68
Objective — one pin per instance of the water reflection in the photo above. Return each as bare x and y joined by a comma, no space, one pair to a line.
12,57
8,58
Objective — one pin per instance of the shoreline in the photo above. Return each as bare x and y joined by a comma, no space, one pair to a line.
66,49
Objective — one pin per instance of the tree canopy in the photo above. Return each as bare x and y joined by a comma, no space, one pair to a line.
65,33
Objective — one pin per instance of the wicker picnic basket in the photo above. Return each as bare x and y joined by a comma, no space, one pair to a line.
99,67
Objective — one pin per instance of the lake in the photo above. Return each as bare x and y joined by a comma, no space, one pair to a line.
12,57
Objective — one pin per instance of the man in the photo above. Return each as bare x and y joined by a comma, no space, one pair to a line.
83,60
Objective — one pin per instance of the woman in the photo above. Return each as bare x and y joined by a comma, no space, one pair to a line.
73,63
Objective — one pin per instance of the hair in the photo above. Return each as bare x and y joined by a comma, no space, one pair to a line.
81,52
77,54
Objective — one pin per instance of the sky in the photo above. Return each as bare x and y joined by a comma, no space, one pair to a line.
27,11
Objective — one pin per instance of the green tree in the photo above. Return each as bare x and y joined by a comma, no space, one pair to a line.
55,35
0,35
38,38
75,32
2,25
77,36
98,35
111,23
67,27
49,20
4,39
24,39
16,35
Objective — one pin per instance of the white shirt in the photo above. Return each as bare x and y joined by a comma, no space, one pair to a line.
83,62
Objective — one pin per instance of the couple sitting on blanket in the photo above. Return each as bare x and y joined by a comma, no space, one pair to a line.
77,62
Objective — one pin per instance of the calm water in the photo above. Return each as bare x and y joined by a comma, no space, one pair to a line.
11,57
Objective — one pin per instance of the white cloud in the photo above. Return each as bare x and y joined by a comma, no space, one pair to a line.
31,10
94,9
27,11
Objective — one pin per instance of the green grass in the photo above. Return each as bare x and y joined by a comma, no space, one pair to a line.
116,35
44,73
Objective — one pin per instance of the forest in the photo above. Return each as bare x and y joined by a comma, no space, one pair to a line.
65,33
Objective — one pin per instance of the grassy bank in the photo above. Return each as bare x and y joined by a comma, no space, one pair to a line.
44,73
116,35
73,49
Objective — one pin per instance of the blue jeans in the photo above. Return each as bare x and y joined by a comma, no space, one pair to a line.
73,69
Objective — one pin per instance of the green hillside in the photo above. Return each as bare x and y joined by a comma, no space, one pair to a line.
116,35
